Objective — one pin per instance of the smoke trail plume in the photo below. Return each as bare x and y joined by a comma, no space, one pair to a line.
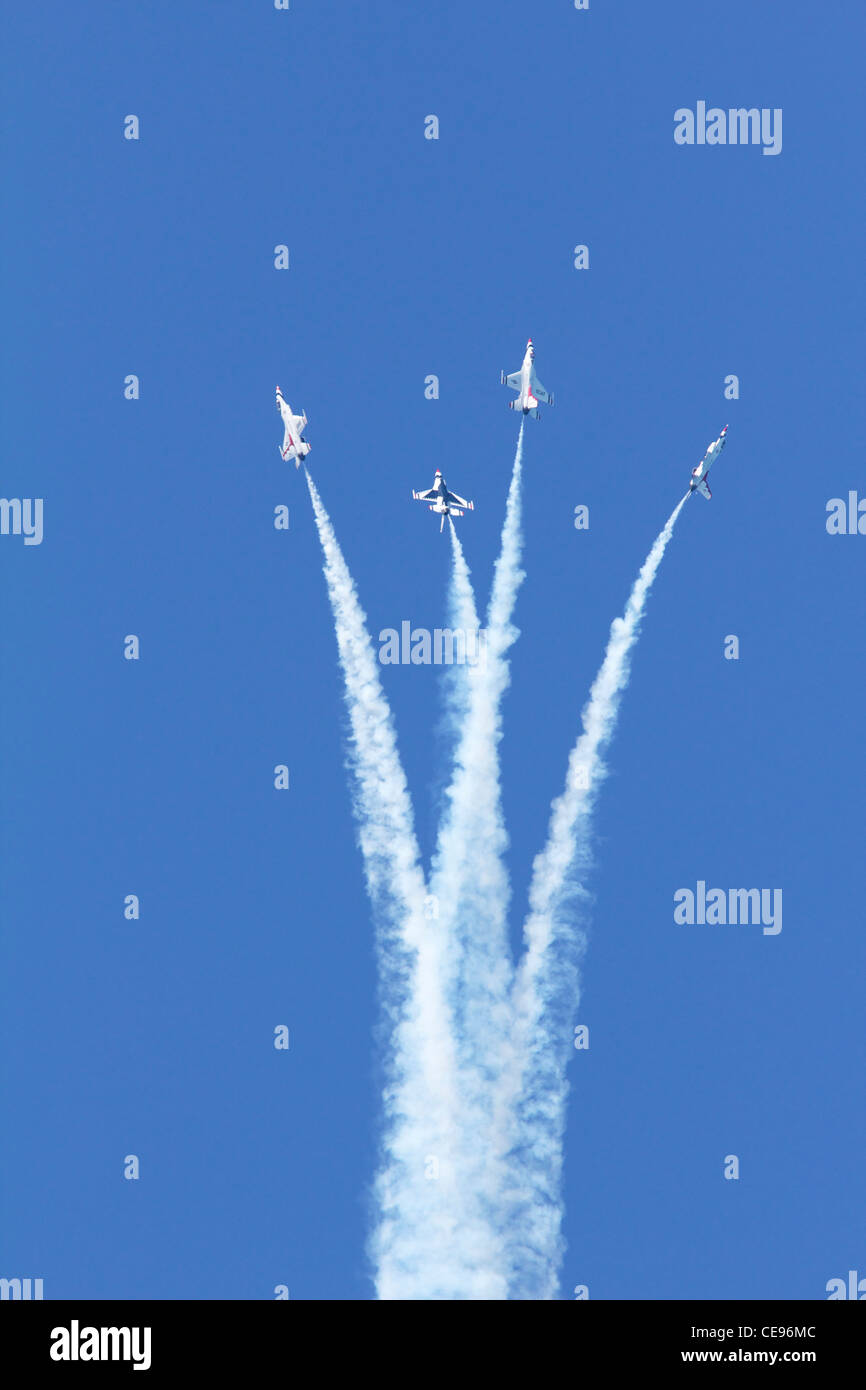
423,1246
468,868
546,987
470,882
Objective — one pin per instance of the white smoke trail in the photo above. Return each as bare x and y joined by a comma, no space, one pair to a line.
423,1245
468,867
546,989
470,883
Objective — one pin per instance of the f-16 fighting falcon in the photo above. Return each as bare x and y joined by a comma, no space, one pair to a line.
529,389
294,444
443,502
698,481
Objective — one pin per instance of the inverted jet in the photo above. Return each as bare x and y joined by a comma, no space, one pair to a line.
443,502
529,389
294,444
698,481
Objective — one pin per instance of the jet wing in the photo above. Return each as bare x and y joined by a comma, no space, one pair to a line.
430,495
458,501
704,488
539,392
513,381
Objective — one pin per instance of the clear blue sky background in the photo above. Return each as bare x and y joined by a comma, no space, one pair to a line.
411,257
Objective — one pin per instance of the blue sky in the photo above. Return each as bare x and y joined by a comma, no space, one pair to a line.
411,257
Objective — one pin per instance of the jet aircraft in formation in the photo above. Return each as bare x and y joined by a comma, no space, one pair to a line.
529,389
443,502
294,445
530,393
698,481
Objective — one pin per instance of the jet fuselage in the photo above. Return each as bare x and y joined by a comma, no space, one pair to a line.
699,474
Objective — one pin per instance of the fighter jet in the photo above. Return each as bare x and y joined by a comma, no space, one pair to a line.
698,481
529,389
294,444
443,502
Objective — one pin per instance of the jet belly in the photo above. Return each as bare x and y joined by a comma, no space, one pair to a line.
522,402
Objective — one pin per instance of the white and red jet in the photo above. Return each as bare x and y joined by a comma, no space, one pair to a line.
529,389
443,502
294,444
698,481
